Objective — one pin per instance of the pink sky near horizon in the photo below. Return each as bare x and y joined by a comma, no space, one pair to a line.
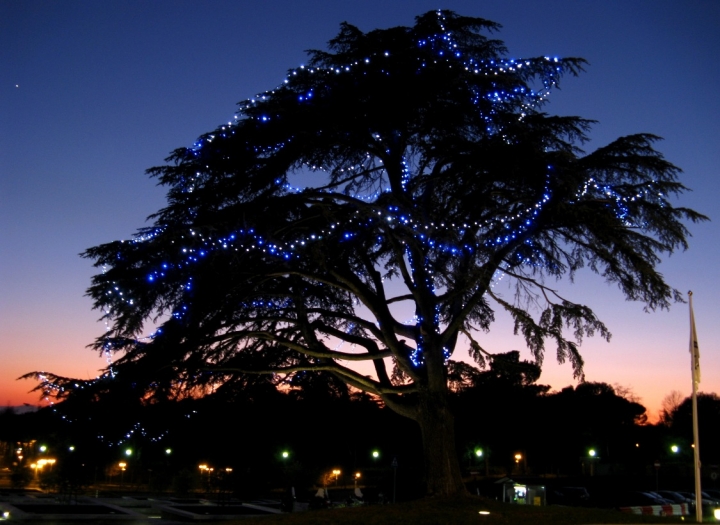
92,94
627,360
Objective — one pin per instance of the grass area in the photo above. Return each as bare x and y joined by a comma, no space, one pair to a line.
458,511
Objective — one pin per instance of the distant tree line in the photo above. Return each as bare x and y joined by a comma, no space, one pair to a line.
321,424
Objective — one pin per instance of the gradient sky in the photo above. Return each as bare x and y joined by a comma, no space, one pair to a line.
93,93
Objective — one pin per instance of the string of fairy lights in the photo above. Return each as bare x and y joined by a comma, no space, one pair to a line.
197,246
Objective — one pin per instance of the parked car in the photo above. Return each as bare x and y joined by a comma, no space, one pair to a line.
675,497
706,498
714,494
708,503
638,499
659,497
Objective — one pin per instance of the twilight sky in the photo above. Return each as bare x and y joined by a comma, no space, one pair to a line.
93,93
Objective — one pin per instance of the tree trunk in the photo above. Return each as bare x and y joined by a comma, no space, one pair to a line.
437,424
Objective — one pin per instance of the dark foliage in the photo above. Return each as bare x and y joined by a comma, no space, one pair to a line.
681,427
503,412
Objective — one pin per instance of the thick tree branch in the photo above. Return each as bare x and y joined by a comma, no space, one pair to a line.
359,381
297,347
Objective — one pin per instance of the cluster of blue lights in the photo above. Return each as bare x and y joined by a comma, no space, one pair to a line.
622,200
54,388
197,246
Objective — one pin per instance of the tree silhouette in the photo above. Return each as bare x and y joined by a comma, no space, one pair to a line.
670,403
361,212
681,424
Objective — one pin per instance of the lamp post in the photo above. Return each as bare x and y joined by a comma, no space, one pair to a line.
41,463
479,456
122,466
592,454
205,480
336,473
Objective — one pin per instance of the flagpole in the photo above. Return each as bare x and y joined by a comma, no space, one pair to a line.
695,366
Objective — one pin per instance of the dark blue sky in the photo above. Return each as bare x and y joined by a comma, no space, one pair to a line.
93,93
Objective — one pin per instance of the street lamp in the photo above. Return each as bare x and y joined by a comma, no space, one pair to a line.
285,454
482,457
357,477
675,449
336,473
205,480
168,451
128,452
122,466
375,454
592,458
41,463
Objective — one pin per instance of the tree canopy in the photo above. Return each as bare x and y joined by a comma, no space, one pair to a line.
363,210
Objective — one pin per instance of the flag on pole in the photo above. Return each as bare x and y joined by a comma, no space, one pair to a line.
694,349
695,358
